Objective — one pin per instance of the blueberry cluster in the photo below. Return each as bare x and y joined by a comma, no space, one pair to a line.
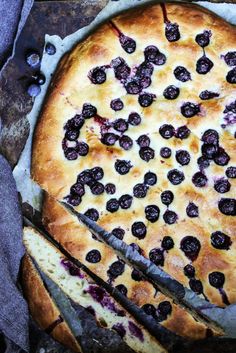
194,284
160,313
146,153
230,60
156,255
229,115
115,270
204,64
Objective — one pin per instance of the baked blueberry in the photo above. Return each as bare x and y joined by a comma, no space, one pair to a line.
152,213
71,135
182,132
157,257
97,173
143,141
192,210
145,99
97,75
189,271
109,139
205,95
134,119
203,39
210,136
170,217
112,205
167,243
33,90
120,125
122,289
118,233
199,179
93,256
203,162
221,158
171,92
110,188
144,70
117,104
150,178
76,122
73,200
116,269
85,177
125,201
222,185
204,65
139,230
227,206
190,246
88,111
165,152
125,142
182,157
149,309
71,154
127,43
78,189
140,190
93,214
167,197
182,74
167,131
231,172
220,240
209,150
39,78
50,48
175,176
231,76
97,188
196,285
189,109
121,69
146,153
152,54
164,308
122,167
216,279
172,32
136,275
230,58
32,58
133,86
82,148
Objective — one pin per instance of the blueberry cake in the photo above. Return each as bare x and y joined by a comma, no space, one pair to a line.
138,133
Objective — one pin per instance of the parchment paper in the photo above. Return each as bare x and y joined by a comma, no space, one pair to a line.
30,191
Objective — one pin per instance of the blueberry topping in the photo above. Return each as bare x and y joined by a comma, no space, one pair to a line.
82,148
120,125
146,153
222,185
188,110
117,104
182,74
171,92
122,167
191,247
93,214
143,141
145,99
196,285
182,157
77,189
118,233
125,201
139,230
221,158
112,205
199,179
73,200
33,90
192,210
119,328
209,150
145,69
220,240
152,213
116,269
88,111
167,243
121,69
97,188
227,206
127,43
205,95
167,197
172,32
165,152
50,49
72,135
149,309
133,86
230,58
216,279
85,177
231,76
165,308
126,142
203,39
231,172
136,275
203,162
167,131
140,190
110,188
153,55
97,75
39,78
175,176
109,139
97,173
210,137
150,178
204,65
170,217
93,256
157,257
32,59
182,132
134,119
189,271
122,289
71,154
75,123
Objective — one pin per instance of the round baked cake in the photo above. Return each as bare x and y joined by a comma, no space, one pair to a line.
138,133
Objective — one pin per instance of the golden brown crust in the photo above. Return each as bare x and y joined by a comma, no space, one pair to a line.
42,307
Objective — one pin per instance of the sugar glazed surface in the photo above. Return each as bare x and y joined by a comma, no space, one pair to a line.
138,132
